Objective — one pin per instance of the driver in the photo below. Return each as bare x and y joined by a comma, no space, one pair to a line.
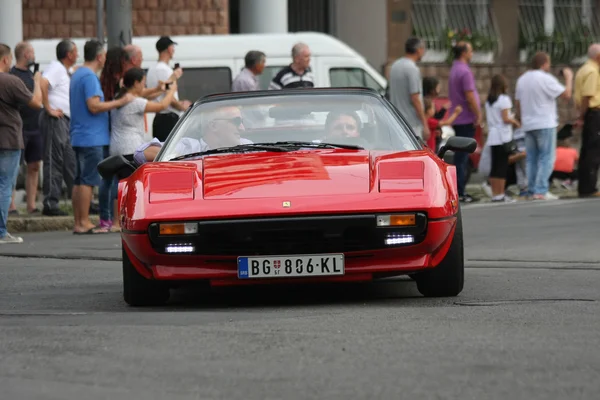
342,125
220,128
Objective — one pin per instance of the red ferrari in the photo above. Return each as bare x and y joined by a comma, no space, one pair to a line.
311,185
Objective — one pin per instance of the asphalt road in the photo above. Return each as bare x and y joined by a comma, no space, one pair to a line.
527,325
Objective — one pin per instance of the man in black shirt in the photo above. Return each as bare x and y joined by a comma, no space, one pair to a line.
34,142
298,74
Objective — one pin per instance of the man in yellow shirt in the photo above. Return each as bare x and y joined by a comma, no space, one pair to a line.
587,100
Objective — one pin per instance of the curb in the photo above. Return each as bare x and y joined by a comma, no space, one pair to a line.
43,224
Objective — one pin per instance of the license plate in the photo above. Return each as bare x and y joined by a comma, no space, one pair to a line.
290,266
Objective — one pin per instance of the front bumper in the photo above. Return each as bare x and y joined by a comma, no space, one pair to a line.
367,256
290,235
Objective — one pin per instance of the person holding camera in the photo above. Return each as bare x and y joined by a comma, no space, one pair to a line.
165,120
535,102
33,152
13,95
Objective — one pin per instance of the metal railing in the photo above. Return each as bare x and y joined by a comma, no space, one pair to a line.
565,31
441,23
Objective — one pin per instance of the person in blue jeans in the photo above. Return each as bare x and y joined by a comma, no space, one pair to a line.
13,95
90,135
535,102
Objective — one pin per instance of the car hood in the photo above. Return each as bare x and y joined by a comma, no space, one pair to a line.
294,174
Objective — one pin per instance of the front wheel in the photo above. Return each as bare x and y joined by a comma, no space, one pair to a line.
139,291
448,278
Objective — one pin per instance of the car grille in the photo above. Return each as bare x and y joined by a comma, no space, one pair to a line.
291,235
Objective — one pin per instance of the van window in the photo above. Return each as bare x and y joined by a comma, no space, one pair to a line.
268,74
196,83
352,77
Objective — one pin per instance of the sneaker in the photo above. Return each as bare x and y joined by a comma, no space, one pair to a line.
467,199
10,239
54,212
547,196
504,199
487,189
105,224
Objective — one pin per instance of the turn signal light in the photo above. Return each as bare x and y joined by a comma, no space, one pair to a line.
188,228
397,220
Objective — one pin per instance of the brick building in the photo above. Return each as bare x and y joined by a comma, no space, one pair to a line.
77,18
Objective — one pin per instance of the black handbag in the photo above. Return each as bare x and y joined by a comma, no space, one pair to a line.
511,147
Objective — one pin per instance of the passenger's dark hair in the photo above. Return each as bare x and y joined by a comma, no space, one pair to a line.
333,115
499,86
253,57
412,45
130,78
91,49
430,84
63,48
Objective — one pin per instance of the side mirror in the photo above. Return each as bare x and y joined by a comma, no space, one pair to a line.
116,166
458,143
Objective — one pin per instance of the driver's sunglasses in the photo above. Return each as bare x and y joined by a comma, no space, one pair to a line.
237,121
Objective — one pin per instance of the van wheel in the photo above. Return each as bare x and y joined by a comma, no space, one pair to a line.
448,278
139,291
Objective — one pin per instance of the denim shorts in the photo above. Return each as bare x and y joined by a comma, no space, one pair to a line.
87,160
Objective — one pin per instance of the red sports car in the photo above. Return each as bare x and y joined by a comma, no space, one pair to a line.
311,185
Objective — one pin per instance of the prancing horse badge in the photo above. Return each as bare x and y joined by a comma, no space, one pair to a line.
287,204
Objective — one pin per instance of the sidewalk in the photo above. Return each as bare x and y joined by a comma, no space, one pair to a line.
24,223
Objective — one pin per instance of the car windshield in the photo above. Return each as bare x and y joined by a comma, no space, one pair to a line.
286,123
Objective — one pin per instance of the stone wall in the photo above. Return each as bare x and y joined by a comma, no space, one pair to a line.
77,18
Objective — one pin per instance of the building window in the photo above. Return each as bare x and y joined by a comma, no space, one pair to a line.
352,77
308,15
442,23
562,28
196,83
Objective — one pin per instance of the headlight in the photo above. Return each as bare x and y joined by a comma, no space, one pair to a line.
187,228
397,220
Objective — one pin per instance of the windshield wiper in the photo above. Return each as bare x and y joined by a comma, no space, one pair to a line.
234,149
322,145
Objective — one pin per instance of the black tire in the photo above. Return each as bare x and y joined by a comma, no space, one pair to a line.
139,291
448,278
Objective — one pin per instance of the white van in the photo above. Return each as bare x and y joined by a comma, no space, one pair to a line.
211,62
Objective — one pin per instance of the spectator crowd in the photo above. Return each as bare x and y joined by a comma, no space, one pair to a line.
71,117
524,145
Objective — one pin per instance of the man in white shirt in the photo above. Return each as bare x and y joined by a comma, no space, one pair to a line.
535,103
59,158
165,120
